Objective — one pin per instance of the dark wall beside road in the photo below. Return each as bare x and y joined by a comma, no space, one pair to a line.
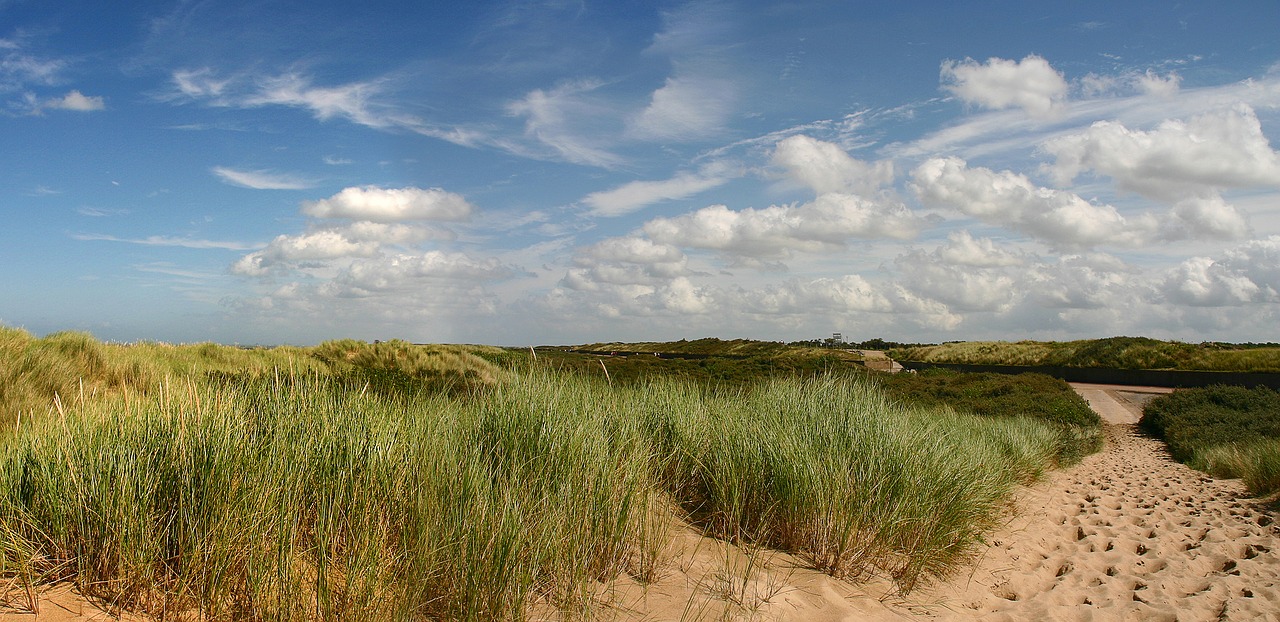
1137,377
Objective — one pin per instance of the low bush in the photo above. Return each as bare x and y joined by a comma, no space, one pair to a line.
1227,431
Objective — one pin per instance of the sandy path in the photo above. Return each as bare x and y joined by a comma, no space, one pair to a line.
1128,534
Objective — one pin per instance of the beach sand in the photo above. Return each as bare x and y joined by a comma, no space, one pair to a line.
1128,534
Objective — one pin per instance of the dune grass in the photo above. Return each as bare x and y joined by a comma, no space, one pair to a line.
1002,395
833,470
1114,352
296,498
67,365
316,490
1256,463
1225,431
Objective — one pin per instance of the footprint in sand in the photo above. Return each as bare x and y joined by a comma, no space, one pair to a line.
1143,538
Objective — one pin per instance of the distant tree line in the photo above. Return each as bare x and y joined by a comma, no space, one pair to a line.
870,344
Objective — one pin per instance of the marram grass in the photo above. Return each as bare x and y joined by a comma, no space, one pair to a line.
292,496
71,365
832,470
295,499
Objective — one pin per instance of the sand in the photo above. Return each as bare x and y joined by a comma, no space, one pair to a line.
1127,534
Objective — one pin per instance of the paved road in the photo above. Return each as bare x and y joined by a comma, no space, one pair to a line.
1116,404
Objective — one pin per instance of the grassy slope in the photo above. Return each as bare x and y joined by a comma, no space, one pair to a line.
1115,352
714,347
725,363
393,481
69,365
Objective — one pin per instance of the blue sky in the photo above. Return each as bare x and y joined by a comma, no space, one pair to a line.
568,172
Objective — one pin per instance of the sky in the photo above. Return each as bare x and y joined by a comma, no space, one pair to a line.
520,173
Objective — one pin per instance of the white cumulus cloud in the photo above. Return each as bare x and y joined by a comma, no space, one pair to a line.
358,239
1087,281
391,205
1031,84
1152,83
408,270
1218,149
76,101
825,167
1007,199
1205,217
771,233
960,287
962,249
1245,274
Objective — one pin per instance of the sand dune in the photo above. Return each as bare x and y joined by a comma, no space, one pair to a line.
1127,534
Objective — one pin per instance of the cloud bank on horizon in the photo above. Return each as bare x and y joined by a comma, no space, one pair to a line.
556,172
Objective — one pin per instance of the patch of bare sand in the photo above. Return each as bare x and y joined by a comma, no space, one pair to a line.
57,603
1127,534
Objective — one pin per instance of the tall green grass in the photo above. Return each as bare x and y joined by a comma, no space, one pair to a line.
1002,395
834,471
68,364
1255,462
298,499
343,482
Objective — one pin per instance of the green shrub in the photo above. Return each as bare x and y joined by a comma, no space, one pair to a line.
1227,431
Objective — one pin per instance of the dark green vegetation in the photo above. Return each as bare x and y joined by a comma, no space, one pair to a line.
999,395
1223,430
734,363
393,481
721,364
875,343
1115,352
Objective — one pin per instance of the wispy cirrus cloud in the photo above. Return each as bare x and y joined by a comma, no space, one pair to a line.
1011,131
557,118
165,240
261,180
698,98
97,212
19,69
684,109
369,103
636,195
